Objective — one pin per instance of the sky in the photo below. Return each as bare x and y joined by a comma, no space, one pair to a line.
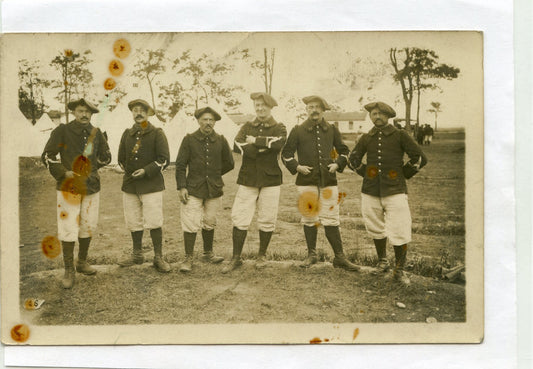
306,63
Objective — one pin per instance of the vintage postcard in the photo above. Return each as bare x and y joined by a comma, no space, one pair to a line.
242,188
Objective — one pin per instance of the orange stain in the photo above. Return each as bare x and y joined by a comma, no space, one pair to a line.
51,246
110,84
341,197
331,208
144,124
78,219
121,48
404,247
326,193
73,189
333,154
82,166
308,204
116,68
355,333
68,53
371,172
63,215
326,339
393,174
20,333
29,304
315,341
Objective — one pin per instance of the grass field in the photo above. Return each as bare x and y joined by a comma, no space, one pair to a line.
280,293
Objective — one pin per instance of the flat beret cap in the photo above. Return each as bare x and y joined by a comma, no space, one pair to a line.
199,112
143,103
382,107
72,105
269,100
312,98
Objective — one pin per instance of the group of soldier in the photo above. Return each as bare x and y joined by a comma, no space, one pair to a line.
314,150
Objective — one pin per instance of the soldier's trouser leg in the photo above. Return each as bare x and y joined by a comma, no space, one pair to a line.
239,236
334,237
82,266
310,233
68,260
381,250
189,239
157,240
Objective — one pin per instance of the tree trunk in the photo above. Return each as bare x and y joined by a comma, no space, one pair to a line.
151,91
265,70
418,100
435,121
65,84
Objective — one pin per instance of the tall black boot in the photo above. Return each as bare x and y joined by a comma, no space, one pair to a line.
209,257
310,239
333,235
136,256
157,240
381,249
81,265
68,260
239,236
264,240
400,253
189,239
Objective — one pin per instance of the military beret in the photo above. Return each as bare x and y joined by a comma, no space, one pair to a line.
269,100
382,107
143,103
72,105
312,98
199,112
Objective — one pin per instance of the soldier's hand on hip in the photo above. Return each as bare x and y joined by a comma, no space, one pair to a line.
71,174
333,167
183,194
139,173
304,169
250,139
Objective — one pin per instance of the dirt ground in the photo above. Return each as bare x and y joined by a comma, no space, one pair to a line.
282,292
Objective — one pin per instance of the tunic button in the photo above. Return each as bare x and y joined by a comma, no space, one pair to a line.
379,163
379,170
136,158
379,157
379,144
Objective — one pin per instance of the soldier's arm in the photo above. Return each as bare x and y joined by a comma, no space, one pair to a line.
240,146
356,157
416,157
122,151
341,148
104,154
162,155
50,156
182,161
227,158
275,142
287,154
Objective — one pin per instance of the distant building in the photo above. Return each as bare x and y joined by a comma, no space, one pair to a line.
346,122
240,119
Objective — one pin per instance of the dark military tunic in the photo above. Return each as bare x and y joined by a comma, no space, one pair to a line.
317,144
82,148
384,171
143,149
260,166
208,157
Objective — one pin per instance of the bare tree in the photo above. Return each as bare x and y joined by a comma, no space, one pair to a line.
402,75
266,68
31,85
435,110
75,79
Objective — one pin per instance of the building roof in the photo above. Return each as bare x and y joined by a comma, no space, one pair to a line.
334,116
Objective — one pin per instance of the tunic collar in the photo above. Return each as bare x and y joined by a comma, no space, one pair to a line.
78,127
137,128
309,125
202,137
268,123
387,130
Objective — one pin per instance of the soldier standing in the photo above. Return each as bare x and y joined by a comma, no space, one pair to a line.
207,156
143,154
317,143
260,178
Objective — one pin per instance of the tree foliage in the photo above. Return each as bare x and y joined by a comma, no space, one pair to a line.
435,109
75,78
31,85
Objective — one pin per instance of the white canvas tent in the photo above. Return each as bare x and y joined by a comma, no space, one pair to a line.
32,140
176,129
114,124
45,124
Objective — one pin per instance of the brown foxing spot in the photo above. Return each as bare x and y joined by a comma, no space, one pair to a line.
393,174
121,48
82,166
341,197
334,154
20,333
355,333
68,53
73,189
51,246
308,204
331,208
315,341
144,124
110,84
116,68
371,171
326,339
326,193
78,219
404,247
29,304
63,215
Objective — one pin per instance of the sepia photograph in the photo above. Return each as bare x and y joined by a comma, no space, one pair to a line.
242,187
